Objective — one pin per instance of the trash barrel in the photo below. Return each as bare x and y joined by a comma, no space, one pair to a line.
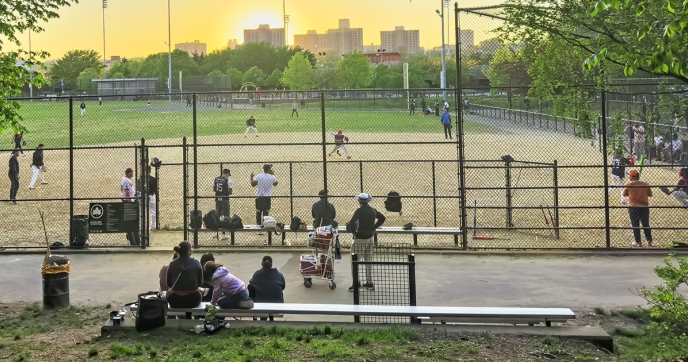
80,232
262,104
56,283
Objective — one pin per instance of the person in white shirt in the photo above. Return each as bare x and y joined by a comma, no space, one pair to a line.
638,139
672,149
446,105
265,181
659,145
127,187
294,109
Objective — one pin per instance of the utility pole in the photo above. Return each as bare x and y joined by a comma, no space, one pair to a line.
169,53
30,70
104,61
284,18
443,76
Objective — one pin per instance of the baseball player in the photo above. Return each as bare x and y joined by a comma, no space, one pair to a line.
83,108
13,174
339,139
148,104
153,195
251,124
127,187
294,109
618,177
680,192
38,167
19,141
222,186
413,107
445,106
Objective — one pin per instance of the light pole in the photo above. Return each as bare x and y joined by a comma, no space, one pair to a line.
30,70
104,61
381,54
169,53
284,18
443,76
447,4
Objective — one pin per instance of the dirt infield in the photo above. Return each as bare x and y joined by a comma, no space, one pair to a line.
98,173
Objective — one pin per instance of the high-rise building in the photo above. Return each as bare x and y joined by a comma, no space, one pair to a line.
232,43
275,37
194,47
467,39
343,40
400,40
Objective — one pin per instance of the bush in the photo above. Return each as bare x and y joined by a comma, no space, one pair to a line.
668,307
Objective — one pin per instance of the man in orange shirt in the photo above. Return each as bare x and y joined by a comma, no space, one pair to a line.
638,193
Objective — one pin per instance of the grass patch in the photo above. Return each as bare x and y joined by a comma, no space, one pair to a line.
630,333
584,358
32,319
640,315
444,349
653,347
599,311
49,121
92,351
117,351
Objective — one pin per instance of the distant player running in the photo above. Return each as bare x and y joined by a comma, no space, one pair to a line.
223,188
251,124
339,139
618,177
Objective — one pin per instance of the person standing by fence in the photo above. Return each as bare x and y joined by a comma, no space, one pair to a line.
13,174
680,192
37,167
412,107
153,198
265,181
323,212
127,195
446,122
362,225
638,139
618,176
83,108
638,193
437,108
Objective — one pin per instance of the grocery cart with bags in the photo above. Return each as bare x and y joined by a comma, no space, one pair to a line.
320,265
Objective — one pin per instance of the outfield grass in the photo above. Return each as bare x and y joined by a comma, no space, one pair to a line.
119,121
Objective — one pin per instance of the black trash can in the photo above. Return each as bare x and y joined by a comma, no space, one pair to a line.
56,284
80,233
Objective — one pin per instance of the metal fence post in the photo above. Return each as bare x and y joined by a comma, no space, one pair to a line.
556,198
507,176
606,165
71,169
143,192
412,283
291,192
360,174
354,275
195,163
185,187
434,195
324,145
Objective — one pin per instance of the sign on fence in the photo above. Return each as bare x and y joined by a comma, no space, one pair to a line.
113,217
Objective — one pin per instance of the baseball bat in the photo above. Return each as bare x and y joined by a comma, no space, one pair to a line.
488,238
475,220
543,215
551,218
640,170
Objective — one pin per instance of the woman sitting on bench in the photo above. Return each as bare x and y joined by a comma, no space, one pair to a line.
184,278
229,291
267,284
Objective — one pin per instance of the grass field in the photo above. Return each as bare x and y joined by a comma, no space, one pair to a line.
120,121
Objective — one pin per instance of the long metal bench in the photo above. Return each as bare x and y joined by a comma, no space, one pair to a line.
342,230
418,313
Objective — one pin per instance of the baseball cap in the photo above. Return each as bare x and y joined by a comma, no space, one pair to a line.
339,132
267,167
633,173
128,170
363,197
41,145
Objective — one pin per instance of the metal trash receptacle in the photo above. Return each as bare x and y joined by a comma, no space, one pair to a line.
80,231
56,284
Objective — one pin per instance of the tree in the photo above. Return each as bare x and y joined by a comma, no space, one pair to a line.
218,59
236,76
354,71
297,76
273,81
149,66
16,67
638,35
254,75
85,77
181,61
198,58
74,62
215,72
124,69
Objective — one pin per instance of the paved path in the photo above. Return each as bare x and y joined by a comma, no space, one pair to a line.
577,282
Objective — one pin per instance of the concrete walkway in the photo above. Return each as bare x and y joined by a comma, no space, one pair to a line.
577,282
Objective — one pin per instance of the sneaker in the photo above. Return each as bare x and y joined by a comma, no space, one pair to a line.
32,188
225,237
44,183
369,285
636,245
649,244
348,157
246,304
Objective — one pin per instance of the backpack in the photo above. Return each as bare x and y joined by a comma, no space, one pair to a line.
231,224
295,223
393,202
269,222
196,219
211,220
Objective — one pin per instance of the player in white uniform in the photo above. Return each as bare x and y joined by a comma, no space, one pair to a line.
618,177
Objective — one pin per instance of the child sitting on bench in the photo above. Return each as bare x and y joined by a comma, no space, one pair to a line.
229,291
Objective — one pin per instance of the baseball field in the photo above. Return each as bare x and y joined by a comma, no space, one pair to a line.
391,150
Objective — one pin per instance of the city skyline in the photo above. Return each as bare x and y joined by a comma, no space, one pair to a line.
127,20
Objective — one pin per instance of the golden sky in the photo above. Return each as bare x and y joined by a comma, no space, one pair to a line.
136,28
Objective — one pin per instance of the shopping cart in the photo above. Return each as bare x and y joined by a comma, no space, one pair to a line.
320,265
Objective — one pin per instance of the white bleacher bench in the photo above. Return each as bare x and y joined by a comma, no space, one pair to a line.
528,316
397,230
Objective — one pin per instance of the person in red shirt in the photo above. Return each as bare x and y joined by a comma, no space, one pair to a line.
638,193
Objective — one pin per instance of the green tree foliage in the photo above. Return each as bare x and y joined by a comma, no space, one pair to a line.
385,78
149,66
217,59
236,76
18,16
72,64
273,80
85,77
254,75
297,76
124,69
636,35
355,71
198,58
181,61
215,72
325,78
668,305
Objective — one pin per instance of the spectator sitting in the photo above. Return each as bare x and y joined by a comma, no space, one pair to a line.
163,274
229,291
267,283
659,146
428,111
206,283
671,150
184,279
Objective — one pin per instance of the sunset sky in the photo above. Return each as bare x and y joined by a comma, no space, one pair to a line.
136,28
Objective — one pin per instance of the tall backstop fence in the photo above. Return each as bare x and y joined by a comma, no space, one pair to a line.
508,178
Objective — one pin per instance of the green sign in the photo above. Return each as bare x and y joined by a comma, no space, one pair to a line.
113,217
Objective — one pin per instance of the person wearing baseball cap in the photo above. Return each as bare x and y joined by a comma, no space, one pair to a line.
638,193
265,181
363,224
37,167
13,174
322,211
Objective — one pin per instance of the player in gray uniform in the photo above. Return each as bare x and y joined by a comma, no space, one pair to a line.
223,188
618,177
